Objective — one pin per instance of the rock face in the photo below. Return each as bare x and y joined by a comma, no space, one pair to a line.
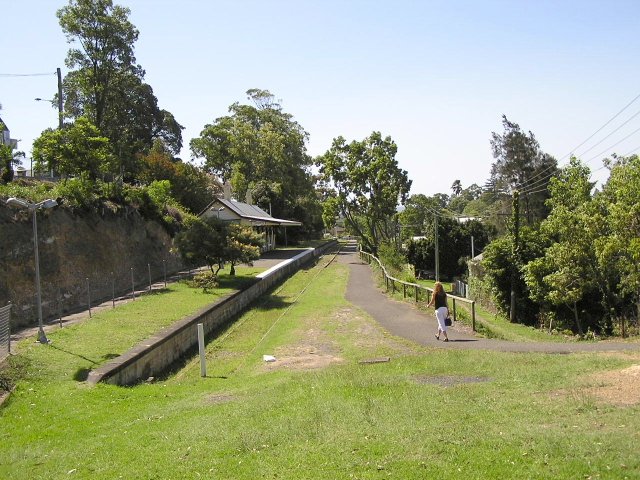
83,257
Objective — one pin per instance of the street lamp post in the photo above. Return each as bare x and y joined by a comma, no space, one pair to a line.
53,102
33,208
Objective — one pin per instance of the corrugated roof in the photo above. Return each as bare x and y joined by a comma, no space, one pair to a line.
252,213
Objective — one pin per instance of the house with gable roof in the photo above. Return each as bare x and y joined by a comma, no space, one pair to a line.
228,210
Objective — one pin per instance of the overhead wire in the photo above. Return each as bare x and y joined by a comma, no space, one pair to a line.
533,184
536,187
27,74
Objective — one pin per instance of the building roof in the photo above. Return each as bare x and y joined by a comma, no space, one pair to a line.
252,213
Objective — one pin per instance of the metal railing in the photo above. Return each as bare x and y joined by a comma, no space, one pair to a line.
5,331
391,282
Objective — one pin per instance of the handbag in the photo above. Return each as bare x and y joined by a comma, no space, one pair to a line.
447,321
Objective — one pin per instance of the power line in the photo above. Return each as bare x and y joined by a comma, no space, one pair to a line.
614,145
548,172
533,188
603,139
26,74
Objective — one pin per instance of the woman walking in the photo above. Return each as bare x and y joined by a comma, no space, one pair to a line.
439,301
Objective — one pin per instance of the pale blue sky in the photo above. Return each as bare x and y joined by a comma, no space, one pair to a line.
434,75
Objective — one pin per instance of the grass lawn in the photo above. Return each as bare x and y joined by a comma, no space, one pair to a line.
323,410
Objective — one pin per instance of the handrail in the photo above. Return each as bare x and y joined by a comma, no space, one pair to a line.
389,279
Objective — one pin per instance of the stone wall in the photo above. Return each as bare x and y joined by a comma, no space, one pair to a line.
156,354
83,257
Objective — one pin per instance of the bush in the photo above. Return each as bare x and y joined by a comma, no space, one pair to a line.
391,258
207,281
79,192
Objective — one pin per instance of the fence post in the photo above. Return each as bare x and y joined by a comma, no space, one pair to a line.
416,292
113,291
203,361
89,296
164,271
473,316
454,310
149,270
9,330
404,290
5,329
133,287
59,298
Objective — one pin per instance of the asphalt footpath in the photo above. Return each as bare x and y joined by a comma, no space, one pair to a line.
405,320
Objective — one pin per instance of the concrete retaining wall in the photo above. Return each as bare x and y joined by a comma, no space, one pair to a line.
156,354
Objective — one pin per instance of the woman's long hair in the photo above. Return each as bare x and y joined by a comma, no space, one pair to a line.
438,288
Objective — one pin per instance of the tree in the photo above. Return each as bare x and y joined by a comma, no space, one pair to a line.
521,165
213,242
454,246
243,246
417,217
8,160
368,185
106,39
105,83
260,149
497,262
458,203
569,274
190,185
78,147
134,122
201,242
621,249
456,188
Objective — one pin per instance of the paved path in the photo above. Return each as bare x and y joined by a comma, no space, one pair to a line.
406,320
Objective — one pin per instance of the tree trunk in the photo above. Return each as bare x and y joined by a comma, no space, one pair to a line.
575,313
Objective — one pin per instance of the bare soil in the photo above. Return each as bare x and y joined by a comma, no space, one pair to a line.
618,387
316,349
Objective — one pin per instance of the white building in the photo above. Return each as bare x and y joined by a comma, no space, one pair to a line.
231,211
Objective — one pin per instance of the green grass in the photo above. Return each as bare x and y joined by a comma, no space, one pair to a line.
427,413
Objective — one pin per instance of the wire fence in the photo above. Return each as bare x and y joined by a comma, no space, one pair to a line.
5,331
85,293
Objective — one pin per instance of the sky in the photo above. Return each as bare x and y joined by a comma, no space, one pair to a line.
435,76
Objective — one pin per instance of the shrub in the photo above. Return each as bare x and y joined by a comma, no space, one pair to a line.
205,280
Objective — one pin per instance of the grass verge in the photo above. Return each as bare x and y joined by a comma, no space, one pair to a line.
317,412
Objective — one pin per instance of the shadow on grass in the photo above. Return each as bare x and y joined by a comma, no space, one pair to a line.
82,373
272,302
236,282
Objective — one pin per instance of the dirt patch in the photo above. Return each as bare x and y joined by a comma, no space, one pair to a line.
448,380
316,349
218,398
618,387
302,357
366,334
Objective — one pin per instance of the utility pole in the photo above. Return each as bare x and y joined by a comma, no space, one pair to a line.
60,119
515,253
437,250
